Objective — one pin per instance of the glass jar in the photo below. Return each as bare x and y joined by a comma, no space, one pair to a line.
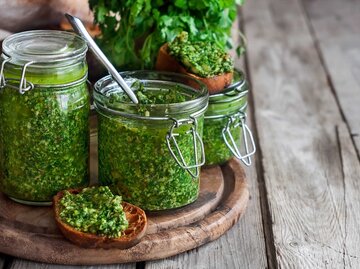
225,126
151,153
44,110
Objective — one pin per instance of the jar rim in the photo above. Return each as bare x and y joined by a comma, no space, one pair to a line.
236,90
197,103
44,48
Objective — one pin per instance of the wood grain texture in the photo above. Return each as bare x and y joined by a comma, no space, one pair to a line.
297,117
24,264
44,244
336,27
351,196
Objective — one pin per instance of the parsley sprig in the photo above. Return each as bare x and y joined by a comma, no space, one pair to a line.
134,30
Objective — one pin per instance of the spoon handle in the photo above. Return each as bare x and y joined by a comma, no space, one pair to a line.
81,30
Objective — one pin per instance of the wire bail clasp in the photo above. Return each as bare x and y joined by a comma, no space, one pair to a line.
197,143
235,121
23,83
2,76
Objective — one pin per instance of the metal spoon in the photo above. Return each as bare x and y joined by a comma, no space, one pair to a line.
79,28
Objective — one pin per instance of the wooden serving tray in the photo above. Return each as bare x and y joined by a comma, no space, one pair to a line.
31,233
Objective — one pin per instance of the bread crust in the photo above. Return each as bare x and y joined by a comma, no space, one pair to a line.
131,236
215,84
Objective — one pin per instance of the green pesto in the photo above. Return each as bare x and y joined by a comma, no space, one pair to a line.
146,97
43,141
94,210
204,59
221,107
216,151
135,160
48,76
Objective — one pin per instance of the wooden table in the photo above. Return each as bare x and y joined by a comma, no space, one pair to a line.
303,62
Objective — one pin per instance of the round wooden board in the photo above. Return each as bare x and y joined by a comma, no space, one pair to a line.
30,232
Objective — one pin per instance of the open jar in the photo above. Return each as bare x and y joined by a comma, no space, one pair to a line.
44,110
151,153
225,129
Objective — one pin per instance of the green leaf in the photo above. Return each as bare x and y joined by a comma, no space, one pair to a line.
146,24
181,4
100,14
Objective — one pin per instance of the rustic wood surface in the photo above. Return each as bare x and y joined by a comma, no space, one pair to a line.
303,63
336,29
24,264
298,121
25,228
41,219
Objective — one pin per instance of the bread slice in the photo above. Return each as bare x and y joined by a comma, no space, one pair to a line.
215,84
131,236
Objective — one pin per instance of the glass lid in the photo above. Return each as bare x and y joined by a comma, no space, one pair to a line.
238,89
159,94
44,46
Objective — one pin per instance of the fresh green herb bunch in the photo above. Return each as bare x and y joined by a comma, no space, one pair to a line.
134,30
201,58
94,210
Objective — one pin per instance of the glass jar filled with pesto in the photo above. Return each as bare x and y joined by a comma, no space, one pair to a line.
44,110
225,129
151,152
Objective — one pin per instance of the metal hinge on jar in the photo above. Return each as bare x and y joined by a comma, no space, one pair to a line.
197,142
238,120
24,85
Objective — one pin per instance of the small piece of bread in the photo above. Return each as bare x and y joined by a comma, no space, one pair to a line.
215,84
131,236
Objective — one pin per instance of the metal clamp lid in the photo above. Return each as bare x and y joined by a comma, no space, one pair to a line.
197,141
238,120
2,77
24,85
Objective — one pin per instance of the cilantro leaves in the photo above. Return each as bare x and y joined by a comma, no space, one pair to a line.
134,30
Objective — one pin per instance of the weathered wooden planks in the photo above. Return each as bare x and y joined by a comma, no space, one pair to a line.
336,26
351,184
297,116
24,264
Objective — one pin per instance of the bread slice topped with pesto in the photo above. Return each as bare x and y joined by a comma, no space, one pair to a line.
203,60
94,217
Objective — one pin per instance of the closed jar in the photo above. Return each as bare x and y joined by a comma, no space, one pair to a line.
151,152
225,129
44,110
